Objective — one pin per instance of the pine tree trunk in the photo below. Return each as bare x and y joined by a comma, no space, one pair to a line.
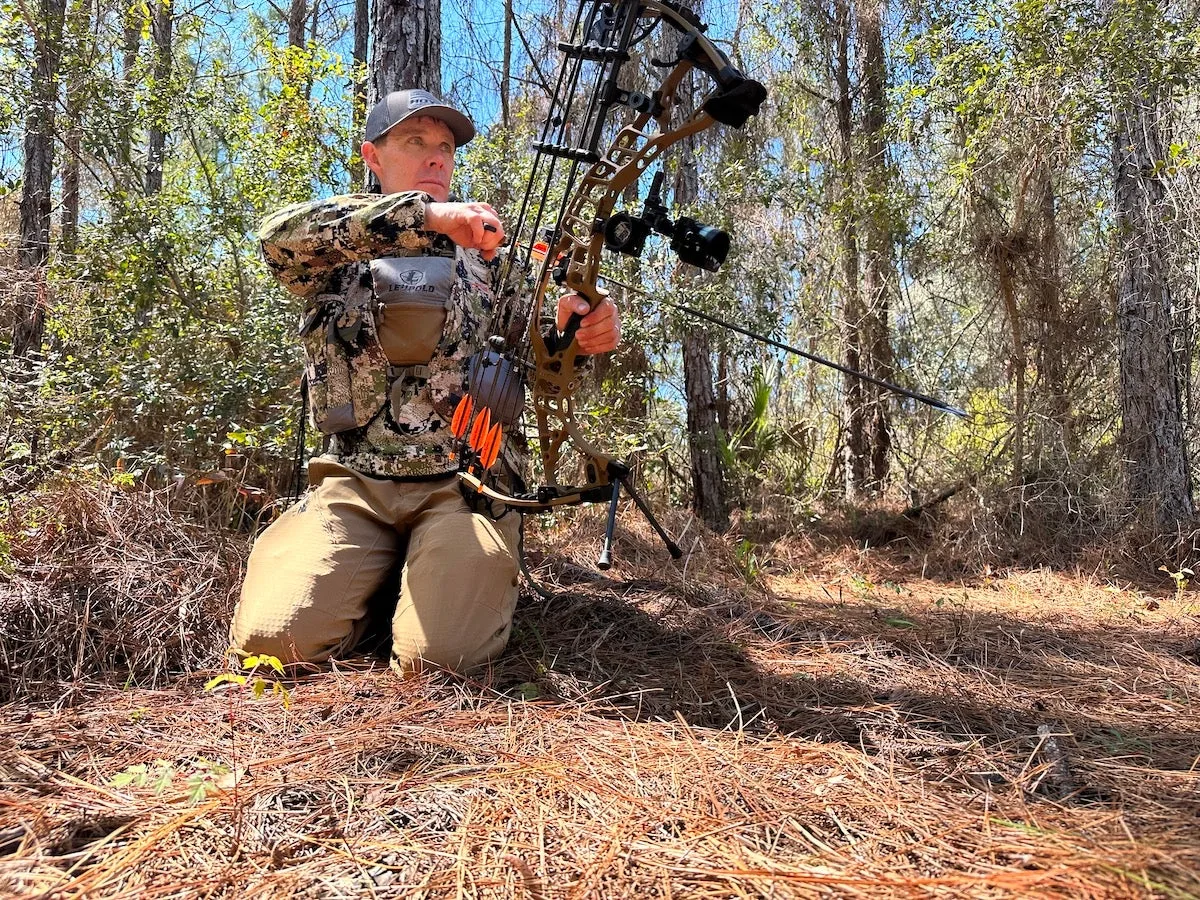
161,28
1156,462
708,479
77,24
362,30
855,444
408,47
878,267
38,172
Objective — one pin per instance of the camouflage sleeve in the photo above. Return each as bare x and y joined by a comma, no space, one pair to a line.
304,243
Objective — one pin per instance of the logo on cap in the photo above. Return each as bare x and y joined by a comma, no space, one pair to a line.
417,99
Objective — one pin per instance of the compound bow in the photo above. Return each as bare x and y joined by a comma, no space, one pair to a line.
568,253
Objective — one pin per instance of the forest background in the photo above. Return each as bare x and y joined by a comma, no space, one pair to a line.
992,202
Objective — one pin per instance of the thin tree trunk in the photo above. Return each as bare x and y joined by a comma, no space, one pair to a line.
722,398
297,19
855,447
38,174
78,26
38,170
161,28
1055,342
708,481
313,22
878,270
358,86
506,69
1156,464
72,141
292,68
131,39
708,478
1005,271
408,47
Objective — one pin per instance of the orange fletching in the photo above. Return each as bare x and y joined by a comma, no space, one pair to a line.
480,429
491,447
462,415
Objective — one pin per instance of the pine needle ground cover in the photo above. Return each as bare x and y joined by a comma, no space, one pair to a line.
818,721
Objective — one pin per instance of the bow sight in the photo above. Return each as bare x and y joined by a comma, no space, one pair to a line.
696,244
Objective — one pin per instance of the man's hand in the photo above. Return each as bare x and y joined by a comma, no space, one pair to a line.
600,330
472,225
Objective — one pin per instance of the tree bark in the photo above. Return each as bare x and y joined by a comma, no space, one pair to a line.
856,444
77,25
708,478
878,269
1055,342
1156,465
38,174
161,28
506,66
358,86
408,47
131,40
38,170
297,19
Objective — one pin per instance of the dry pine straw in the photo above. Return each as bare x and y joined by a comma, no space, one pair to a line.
841,729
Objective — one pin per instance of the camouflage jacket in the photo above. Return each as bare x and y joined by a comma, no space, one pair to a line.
382,421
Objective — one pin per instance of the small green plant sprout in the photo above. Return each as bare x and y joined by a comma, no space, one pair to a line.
862,586
249,677
1180,578
204,777
747,561
158,775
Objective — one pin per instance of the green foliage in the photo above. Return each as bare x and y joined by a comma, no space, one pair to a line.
202,777
747,557
1180,577
165,328
252,679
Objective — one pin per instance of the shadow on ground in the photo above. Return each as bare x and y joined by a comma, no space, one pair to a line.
997,702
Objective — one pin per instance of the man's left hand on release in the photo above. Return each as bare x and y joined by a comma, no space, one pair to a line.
600,330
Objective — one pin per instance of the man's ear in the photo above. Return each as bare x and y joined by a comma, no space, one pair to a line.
370,156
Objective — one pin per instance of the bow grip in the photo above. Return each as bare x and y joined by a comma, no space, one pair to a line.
567,335
562,339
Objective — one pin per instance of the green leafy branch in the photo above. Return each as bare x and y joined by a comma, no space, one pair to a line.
249,678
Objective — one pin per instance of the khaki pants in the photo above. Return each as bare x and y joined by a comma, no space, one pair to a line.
312,572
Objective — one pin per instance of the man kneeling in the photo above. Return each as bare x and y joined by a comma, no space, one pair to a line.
399,294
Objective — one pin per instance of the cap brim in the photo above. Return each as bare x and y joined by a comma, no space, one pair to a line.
460,126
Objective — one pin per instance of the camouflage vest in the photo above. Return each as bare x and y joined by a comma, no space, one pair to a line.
382,420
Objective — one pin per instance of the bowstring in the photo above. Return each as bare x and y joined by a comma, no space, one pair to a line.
625,19
626,16
559,108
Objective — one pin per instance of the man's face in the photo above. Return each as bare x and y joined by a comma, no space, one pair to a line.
416,155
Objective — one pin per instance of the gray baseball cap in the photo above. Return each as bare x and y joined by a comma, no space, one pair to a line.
400,105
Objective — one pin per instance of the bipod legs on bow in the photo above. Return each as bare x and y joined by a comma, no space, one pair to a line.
619,474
